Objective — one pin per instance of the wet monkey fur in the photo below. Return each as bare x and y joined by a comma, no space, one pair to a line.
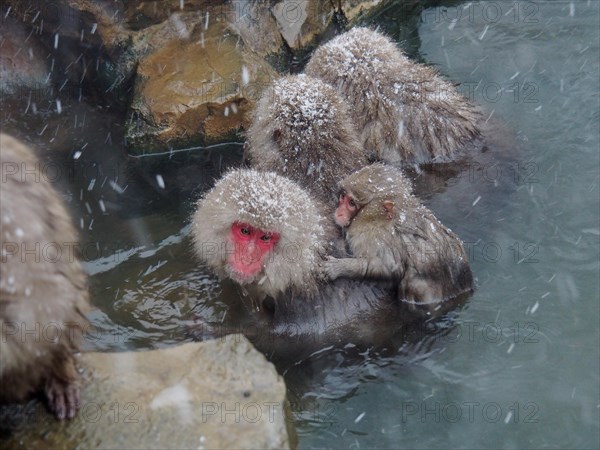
267,235
302,129
41,291
405,113
396,240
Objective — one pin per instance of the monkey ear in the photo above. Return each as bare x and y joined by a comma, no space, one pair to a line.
388,206
277,135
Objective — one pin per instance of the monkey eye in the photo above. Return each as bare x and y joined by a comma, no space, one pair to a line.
352,203
243,230
270,238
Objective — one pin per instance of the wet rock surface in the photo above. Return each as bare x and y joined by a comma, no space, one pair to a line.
142,13
186,72
216,394
196,86
203,71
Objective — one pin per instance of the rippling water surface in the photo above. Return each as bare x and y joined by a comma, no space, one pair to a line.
519,366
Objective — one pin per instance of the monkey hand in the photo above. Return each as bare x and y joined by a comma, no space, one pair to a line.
357,268
333,268
63,397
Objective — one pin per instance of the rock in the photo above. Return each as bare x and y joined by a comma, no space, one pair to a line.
188,71
301,23
92,22
256,25
143,13
196,86
215,394
355,9
22,61
265,23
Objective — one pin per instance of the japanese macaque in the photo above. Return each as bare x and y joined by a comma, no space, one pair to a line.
43,289
265,233
302,129
395,239
405,112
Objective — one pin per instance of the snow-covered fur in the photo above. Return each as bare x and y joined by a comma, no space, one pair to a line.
423,259
302,129
404,112
269,202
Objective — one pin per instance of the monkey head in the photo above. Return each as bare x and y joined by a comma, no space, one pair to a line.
260,229
301,128
377,192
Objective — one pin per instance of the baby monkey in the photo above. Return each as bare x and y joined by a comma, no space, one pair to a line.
395,239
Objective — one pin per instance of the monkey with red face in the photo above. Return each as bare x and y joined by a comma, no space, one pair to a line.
395,239
266,234
262,231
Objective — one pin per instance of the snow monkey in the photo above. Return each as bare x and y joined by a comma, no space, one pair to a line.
43,289
405,113
265,233
302,129
395,239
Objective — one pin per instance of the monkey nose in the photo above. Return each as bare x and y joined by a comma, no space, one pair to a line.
250,253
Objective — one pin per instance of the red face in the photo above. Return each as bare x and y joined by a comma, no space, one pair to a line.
251,245
346,210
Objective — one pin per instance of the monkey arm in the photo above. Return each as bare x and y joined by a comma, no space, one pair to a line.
374,268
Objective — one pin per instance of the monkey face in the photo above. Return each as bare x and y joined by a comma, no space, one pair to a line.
251,246
346,210
249,228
